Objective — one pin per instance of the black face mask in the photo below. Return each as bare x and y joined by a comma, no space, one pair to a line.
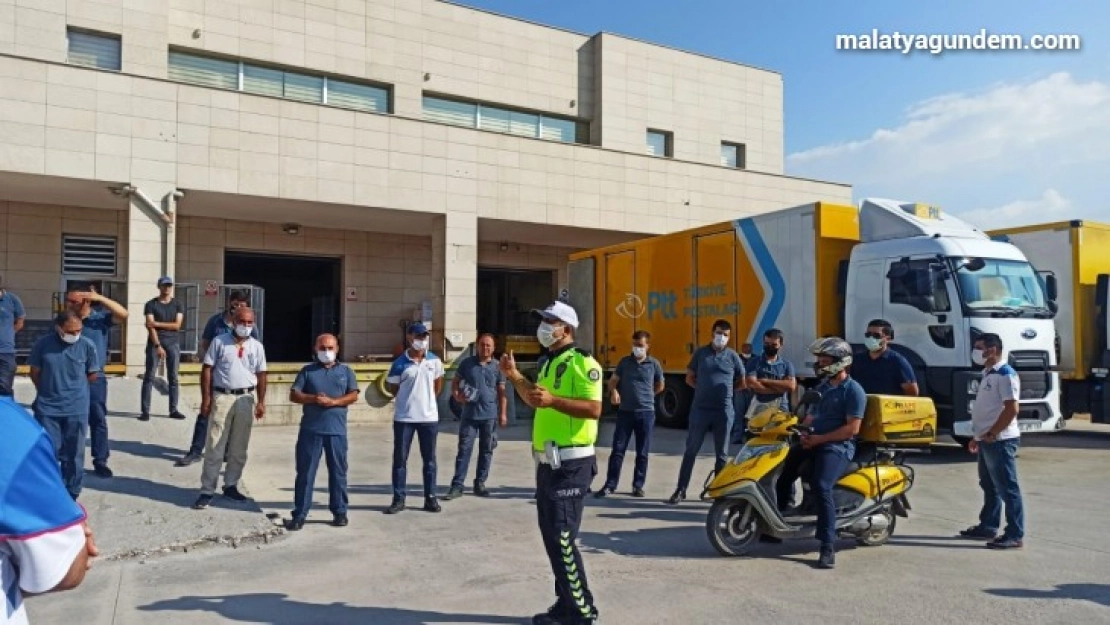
771,350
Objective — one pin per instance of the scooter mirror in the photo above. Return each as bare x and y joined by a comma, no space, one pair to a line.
811,397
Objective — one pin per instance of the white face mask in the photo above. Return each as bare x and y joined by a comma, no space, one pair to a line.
243,331
977,357
71,338
639,352
420,345
546,334
873,344
325,356
719,341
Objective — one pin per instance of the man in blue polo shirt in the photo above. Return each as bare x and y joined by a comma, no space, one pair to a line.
11,322
715,372
63,365
479,385
771,377
633,386
96,326
883,371
325,388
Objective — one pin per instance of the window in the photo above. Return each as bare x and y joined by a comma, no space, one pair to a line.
660,143
497,119
88,255
99,50
276,82
912,285
732,155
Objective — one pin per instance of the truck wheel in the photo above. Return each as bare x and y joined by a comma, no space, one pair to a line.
672,406
964,441
732,526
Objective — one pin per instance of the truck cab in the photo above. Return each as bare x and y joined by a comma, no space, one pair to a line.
942,282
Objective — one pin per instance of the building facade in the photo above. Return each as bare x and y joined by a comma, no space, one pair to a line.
356,162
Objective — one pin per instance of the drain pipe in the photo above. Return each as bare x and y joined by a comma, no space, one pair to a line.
166,212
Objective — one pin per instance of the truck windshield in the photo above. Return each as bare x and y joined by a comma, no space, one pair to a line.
1000,285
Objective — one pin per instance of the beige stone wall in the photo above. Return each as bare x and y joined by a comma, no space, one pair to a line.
31,247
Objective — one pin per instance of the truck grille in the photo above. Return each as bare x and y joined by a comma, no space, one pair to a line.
1037,360
1034,385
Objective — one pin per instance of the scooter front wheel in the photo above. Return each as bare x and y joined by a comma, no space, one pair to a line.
732,526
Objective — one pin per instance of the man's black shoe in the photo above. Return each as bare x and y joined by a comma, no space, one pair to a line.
102,470
453,493
678,497
480,489
827,559
555,615
339,520
582,619
638,492
395,507
431,504
187,459
177,415
604,492
231,492
144,417
202,502
294,525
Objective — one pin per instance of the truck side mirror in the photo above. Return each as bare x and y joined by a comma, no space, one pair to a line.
975,264
1050,287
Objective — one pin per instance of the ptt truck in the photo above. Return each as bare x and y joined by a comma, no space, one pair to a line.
824,269
1077,254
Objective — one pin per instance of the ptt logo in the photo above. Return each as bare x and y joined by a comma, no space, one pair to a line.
631,307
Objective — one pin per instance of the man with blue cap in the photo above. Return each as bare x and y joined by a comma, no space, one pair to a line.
164,318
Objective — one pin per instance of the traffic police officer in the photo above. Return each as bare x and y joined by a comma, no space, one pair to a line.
567,400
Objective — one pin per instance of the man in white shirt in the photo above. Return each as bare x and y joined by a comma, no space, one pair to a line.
415,379
234,370
45,542
997,437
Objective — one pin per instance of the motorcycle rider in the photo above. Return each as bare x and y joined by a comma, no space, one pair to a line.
834,421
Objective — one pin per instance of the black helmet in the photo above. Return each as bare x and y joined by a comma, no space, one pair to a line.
836,348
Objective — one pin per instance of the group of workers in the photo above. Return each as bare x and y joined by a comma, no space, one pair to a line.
566,396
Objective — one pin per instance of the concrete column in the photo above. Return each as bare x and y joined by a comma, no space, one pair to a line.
455,281
149,256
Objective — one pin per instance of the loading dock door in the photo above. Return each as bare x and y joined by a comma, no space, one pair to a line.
623,305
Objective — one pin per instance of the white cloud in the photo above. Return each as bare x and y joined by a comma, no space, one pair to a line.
1051,206
983,155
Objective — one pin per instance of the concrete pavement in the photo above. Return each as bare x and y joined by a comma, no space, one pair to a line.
481,561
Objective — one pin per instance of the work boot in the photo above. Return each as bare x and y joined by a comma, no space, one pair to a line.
397,506
431,504
480,489
678,497
187,459
827,559
339,520
454,493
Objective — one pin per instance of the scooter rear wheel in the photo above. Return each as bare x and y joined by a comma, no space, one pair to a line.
876,538
732,527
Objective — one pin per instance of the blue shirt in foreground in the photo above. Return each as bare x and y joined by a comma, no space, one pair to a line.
335,382
480,383
637,383
838,404
884,375
63,382
779,369
717,373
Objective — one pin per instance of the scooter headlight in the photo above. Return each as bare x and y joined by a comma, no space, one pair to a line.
754,451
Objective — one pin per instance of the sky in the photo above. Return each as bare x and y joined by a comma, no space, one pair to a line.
999,138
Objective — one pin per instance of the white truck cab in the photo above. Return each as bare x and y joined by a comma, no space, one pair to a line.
941,282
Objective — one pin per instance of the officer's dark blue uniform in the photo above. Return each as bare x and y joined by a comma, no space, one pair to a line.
323,430
839,403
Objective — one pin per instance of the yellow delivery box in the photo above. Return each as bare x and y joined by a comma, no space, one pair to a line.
900,421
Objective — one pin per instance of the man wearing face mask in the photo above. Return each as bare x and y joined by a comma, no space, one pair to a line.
884,371
567,399
415,379
96,325
771,377
834,424
218,324
633,386
479,386
325,388
715,372
63,365
234,369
